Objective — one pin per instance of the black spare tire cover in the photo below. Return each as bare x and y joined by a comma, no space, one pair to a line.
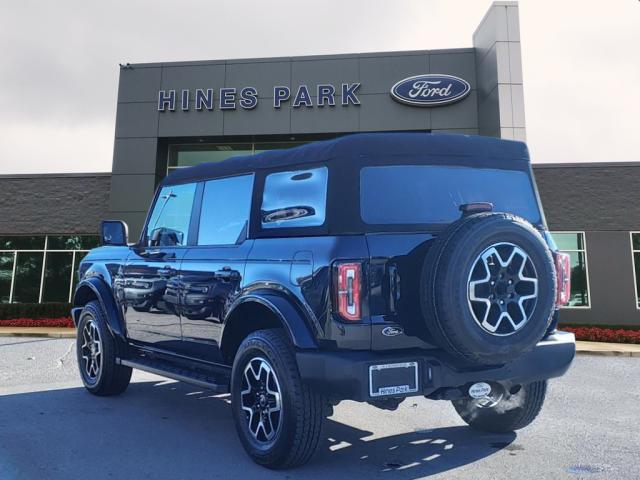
488,288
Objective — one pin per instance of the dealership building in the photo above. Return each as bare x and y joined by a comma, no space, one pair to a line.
178,114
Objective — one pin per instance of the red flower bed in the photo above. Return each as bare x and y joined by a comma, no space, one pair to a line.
38,322
598,334
589,334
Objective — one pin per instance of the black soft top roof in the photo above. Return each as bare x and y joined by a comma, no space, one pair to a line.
361,145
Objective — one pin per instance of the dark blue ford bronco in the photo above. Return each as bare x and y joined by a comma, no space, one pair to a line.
372,267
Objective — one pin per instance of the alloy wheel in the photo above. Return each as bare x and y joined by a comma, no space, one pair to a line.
261,400
91,350
502,289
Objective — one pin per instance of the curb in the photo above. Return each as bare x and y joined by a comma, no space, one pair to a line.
37,333
608,353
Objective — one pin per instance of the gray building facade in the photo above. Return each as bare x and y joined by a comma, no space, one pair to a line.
173,115
47,224
53,203
149,126
598,204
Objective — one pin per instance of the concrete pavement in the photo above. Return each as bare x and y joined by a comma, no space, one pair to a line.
50,427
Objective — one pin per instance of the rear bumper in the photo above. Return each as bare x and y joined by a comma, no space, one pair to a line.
345,375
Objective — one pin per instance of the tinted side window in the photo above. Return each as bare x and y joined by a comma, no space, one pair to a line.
419,194
169,221
224,217
295,199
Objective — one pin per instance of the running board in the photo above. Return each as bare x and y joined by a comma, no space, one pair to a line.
175,373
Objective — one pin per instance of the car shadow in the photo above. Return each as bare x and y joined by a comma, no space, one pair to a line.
413,454
164,429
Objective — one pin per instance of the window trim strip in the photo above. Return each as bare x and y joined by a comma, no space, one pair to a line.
13,274
44,268
633,266
73,264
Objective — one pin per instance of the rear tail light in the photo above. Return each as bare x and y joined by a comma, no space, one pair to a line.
563,278
348,290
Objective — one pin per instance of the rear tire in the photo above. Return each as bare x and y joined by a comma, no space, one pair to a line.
512,412
96,353
265,370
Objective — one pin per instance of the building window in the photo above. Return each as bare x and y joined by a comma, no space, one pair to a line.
41,268
635,249
181,156
6,275
574,244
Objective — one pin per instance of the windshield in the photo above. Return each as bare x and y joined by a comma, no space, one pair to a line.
427,194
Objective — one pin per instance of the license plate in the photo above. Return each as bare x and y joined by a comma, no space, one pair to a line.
393,379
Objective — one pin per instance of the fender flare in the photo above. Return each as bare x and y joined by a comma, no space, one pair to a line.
95,286
289,317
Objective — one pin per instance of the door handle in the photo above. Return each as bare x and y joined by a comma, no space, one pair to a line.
156,254
166,271
227,274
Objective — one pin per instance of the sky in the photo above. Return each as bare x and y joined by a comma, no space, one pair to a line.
59,64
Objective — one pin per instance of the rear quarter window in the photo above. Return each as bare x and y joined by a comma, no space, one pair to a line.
428,194
294,199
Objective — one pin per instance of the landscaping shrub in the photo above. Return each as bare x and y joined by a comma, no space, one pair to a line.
57,315
33,310
598,334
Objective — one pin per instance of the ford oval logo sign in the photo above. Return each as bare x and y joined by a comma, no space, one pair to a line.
391,331
430,90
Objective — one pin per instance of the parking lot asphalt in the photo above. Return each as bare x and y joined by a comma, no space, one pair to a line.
50,427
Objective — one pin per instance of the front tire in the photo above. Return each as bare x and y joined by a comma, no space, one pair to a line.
503,412
96,353
278,419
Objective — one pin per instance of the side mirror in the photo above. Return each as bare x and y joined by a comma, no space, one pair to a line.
114,232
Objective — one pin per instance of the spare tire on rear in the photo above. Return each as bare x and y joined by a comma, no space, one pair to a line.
488,288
